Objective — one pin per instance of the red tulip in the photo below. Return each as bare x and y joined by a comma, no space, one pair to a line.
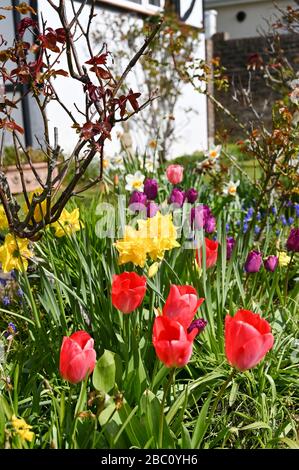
77,357
128,290
182,304
248,338
211,253
172,343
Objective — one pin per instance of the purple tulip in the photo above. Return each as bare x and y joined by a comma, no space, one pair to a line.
191,195
200,324
271,263
253,262
152,209
138,198
177,197
151,188
293,240
210,224
230,243
200,215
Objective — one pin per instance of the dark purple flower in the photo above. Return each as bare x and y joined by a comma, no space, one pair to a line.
230,243
152,208
210,224
151,188
297,209
177,197
293,240
191,195
253,262
138,198
200,324
271,263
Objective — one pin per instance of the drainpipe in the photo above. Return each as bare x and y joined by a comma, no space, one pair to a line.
210,23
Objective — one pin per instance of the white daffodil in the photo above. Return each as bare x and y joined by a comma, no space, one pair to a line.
230,188
135,182
154,145
214,152
150,166
117,163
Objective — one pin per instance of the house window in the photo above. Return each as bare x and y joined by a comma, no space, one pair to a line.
143,6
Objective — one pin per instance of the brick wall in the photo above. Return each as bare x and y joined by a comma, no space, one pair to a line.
234,55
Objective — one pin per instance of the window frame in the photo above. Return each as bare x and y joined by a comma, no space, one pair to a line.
145,7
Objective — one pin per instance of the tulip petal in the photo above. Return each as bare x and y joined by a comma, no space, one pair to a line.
253,319
254,351
237,333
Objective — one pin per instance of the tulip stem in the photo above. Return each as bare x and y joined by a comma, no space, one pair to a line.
287,279
220,393
166,388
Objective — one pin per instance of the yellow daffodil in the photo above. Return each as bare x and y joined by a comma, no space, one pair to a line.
283,258
67,223
153,237
160,234
22,429
14,253
3,219
132,248
40,209
153,269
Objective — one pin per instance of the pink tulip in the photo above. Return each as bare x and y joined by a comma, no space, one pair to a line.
175,173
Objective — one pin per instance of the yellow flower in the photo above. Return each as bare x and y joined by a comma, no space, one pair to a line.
160,234
153,237
283,258
67,223
3,219
14,253
153,269
22,429
132,248
40,209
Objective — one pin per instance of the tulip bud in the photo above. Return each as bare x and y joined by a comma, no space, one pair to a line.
177,197
191,195
293,240
175,173
77,357
230,243
271,263
248,338
253,262
151,188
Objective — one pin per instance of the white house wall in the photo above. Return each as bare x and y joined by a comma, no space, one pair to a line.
191,128
256,14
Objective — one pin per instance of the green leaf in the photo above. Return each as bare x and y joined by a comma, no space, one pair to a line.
186,440
103,377
201,424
